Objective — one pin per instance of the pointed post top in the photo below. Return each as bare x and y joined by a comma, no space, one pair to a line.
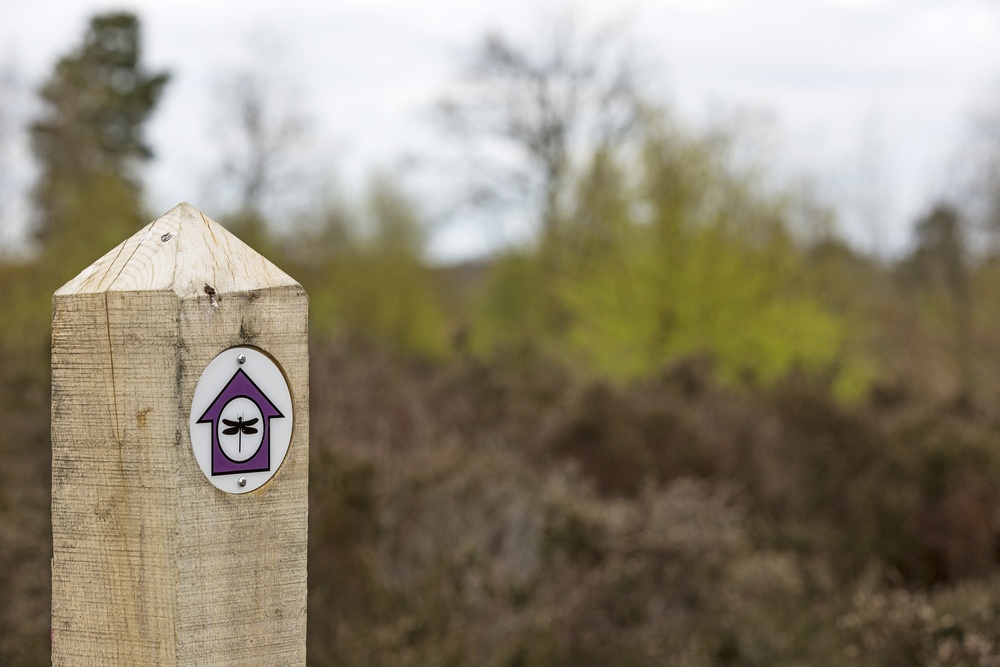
182,251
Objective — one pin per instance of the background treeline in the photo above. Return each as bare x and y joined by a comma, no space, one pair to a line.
683,424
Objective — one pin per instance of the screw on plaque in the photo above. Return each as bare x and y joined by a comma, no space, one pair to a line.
242,481
241,359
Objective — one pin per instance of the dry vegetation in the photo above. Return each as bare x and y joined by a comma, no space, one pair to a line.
511,513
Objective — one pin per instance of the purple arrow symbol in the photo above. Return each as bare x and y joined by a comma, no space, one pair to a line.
241,386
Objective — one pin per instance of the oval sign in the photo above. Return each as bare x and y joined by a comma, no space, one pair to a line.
241,420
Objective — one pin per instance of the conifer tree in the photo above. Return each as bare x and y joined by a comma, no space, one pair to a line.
89,139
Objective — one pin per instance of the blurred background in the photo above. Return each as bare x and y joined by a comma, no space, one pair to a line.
664,334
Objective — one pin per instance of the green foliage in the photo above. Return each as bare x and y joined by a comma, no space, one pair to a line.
516,308
370,282
673,255
382,300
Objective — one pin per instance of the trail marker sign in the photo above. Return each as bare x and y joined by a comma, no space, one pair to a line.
180,457
241,420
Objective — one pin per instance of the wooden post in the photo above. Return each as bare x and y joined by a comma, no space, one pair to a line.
153,563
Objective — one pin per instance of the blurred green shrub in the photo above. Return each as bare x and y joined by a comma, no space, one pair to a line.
670,254
365,273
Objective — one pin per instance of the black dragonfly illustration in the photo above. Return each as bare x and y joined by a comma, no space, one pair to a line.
239,427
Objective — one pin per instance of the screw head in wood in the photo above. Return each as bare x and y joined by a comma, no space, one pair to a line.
242,481
242,358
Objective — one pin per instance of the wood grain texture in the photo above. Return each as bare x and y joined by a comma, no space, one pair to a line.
152,565
181,251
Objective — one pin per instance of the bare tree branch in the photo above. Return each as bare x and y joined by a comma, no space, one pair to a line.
263,130
527,114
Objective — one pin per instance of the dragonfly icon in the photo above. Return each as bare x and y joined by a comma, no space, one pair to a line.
239,427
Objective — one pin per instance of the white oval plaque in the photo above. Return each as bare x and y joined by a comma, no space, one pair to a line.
241,420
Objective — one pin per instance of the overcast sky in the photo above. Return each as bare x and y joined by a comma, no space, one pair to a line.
871,99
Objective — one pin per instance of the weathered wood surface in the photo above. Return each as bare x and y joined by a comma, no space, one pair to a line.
152,565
